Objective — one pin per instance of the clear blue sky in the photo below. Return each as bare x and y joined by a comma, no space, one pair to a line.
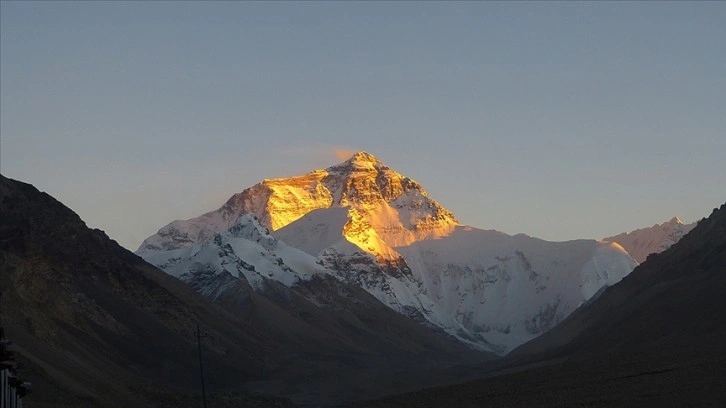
561,120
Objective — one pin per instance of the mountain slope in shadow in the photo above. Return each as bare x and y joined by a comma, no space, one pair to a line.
654,339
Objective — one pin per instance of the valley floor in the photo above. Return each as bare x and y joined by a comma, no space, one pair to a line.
695,378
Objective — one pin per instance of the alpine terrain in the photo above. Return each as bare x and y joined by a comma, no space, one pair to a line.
655,339
645,241
95,325
364,224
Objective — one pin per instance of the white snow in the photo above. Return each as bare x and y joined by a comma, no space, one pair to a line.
509,289
245,250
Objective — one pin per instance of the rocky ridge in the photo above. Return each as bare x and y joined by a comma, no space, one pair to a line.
652,240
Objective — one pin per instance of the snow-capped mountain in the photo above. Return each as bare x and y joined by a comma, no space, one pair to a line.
652,240
384,204
365,224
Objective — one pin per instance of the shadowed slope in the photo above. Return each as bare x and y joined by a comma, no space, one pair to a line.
654,339
98,321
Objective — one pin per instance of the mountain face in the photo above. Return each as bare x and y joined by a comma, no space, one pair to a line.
654,339
364,224
95,325
383,204
645,241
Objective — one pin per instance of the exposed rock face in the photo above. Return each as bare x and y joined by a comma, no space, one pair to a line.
645,241
383,204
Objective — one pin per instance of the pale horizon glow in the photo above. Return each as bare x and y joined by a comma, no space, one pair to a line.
558,120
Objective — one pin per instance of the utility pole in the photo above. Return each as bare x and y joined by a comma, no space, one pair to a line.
198,332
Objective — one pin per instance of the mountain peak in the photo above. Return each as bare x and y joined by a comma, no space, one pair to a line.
395,206
361,162
363,157
675,220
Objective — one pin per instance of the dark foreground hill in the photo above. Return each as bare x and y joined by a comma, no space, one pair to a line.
657,338
95,325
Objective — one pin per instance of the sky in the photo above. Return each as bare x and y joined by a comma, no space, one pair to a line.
562,120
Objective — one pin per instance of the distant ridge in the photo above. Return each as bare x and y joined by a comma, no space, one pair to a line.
652,240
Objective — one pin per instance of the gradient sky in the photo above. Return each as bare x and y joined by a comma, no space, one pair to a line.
560,120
